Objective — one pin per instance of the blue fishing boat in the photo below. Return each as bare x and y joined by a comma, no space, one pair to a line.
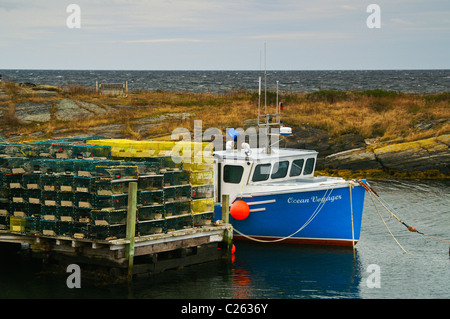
280,198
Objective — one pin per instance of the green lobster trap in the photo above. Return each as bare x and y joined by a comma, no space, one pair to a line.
105,186
49,213
65,182
55,166
14,181
80,230
17,150
107,232
49,182
150,182
5,207
83,184
176,178
111,202
150,227
177,193
31,181
66,228
14,165
179,222
49,198
84,200
82,215
201,192
65,199
203,219
19,209
34,209
17,195
177,208
4,222
144,167
166,163
113,217
65,213
150,198
49,227
150,212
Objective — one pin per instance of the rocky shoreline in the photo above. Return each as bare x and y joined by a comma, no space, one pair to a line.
352,155
349,155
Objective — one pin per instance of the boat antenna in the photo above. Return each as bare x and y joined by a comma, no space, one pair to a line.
265,80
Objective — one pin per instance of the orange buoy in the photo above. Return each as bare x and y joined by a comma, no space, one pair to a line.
239,210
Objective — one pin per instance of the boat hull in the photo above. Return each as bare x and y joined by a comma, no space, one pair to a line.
318,216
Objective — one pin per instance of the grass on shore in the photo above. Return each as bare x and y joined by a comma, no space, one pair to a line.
379,114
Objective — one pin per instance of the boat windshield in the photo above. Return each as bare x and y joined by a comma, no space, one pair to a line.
309,166
297,166
262,172
280,169
232,174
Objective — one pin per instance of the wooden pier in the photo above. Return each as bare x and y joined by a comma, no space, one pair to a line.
111,258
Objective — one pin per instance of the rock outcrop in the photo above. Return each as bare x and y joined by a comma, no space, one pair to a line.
33,112
422,155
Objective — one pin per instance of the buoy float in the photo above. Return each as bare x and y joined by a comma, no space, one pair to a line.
239,210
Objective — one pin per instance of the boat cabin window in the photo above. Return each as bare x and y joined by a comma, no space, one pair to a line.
232,174
262,172
280,169
309,166
297,166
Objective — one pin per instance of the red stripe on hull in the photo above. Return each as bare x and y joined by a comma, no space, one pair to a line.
305,241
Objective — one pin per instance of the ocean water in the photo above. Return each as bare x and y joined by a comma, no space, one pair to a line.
377,269
413,81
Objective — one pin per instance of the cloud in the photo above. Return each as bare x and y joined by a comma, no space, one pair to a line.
302,36
401,21
167,40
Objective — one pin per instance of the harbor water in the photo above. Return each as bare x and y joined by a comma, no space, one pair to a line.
377,269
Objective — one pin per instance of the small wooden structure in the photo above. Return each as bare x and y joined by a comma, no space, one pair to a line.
120,89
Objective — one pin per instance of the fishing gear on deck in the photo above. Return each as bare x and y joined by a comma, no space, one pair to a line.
370,190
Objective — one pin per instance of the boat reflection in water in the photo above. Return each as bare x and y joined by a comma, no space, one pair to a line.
294,271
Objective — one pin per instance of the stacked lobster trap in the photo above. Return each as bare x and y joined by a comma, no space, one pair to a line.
79,187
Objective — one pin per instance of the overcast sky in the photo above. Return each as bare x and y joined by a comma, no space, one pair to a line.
224,35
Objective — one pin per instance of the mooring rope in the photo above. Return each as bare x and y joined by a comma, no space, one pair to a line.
310,219
370,190
381,217
350,185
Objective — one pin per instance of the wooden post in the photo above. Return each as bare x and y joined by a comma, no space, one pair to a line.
228,234
225,208
131,225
